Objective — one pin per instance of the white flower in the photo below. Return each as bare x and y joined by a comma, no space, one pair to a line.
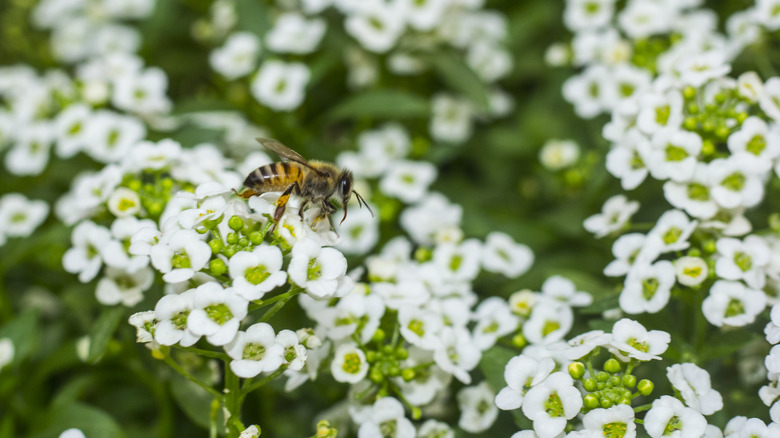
669,412
673,154
144,323
477,410
172,311
489,61
617,420
494,319
408,180
647,287
216,313
142,92
155,156
119,286
586,91
769,100
731,303
424,15
549,322
237,57
457,353
292,33
19,216
551,403
92,244
250,432
659,111
70,129
280,86
293,352
179,255
691,271
502,254
695,387
565,291
559,154
735,182
419,326
72,433
30,153
640,19
110,136
124,202
624,160
629,250
257,272
672,231
385,419
255,351
581,345
7,351
451,121
632,339
698,69
521,374
760,141
319,270
746,260
458,261
615,213
582,15
376,26
433,213
359,233
435,429
349,364
693,196
766,13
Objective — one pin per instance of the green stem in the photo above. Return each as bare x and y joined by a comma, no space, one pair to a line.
249,387
178,368
280,301
232,403
643,407
205,353
214,418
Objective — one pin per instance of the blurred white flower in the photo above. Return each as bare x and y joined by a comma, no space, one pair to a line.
563,290
293,33
19,216
615,214
110,136
693,196
502,254
586,91
179,255
142,92
758,140
377,25
457,353
29,154
640,19
580,15
477,410
647,287
549,322
408,180
629,250
687,421
70,129
559,154
120,286
521,374
7,351
451,121
691,271
745,260
731,303
349,364
237,57
280,86
673,154
434,212
494,319
92,245
172,311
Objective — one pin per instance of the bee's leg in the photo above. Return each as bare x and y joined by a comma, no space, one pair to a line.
300,212
282,201
246,193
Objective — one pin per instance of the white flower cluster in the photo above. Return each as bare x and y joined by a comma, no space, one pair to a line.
69,115
405,31
770,393
620,51
19,216
83,29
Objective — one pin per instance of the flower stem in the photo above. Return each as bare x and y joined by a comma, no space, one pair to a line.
205,353
253,386
280,301
232,402
178,368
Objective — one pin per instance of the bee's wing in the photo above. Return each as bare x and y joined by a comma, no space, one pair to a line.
281,150
285,152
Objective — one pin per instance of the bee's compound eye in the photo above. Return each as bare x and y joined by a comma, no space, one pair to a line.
346,187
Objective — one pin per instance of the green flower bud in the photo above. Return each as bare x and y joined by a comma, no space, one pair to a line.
519,341
230,251
379,336
629,381
401,353
590,401
372,356
216,245
134,185
689,92
589,384
388,350
394,371
690,124
256,237
243,242
612,366
601,376
376,375
720,98
576,370
235,223
605,403
614,381
645,387
232,238
217,267
741,117
722,132
408,374
601,386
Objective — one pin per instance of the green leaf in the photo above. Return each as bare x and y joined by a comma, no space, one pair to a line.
23,332
723,344
382,104
194,401
201,104
94,422
253,17
455,73
102,331
493,362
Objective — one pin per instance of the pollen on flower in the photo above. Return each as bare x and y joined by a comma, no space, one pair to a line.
181,261
640,346
649,287
416,326
673,425
614,430
735,181
675,153
253,351
388,428
314,271
744,261
219,313
550,326
671,235
257,275
352,363
698,192
756,145
735,308
179,320
693,271
662,114
553,406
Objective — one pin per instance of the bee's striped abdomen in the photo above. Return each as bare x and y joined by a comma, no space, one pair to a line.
274,177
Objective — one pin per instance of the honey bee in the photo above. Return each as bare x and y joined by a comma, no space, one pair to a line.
315,181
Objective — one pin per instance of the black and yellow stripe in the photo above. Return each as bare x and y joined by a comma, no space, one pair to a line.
274,177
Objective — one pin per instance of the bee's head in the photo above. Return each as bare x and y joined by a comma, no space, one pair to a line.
345,192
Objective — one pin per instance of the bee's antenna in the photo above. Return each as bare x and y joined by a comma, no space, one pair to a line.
345,214
360,199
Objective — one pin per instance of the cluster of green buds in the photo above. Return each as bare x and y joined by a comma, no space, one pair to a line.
610,386
245,234
645,51
154,190
714,118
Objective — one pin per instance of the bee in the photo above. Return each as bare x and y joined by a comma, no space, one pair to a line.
315,181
